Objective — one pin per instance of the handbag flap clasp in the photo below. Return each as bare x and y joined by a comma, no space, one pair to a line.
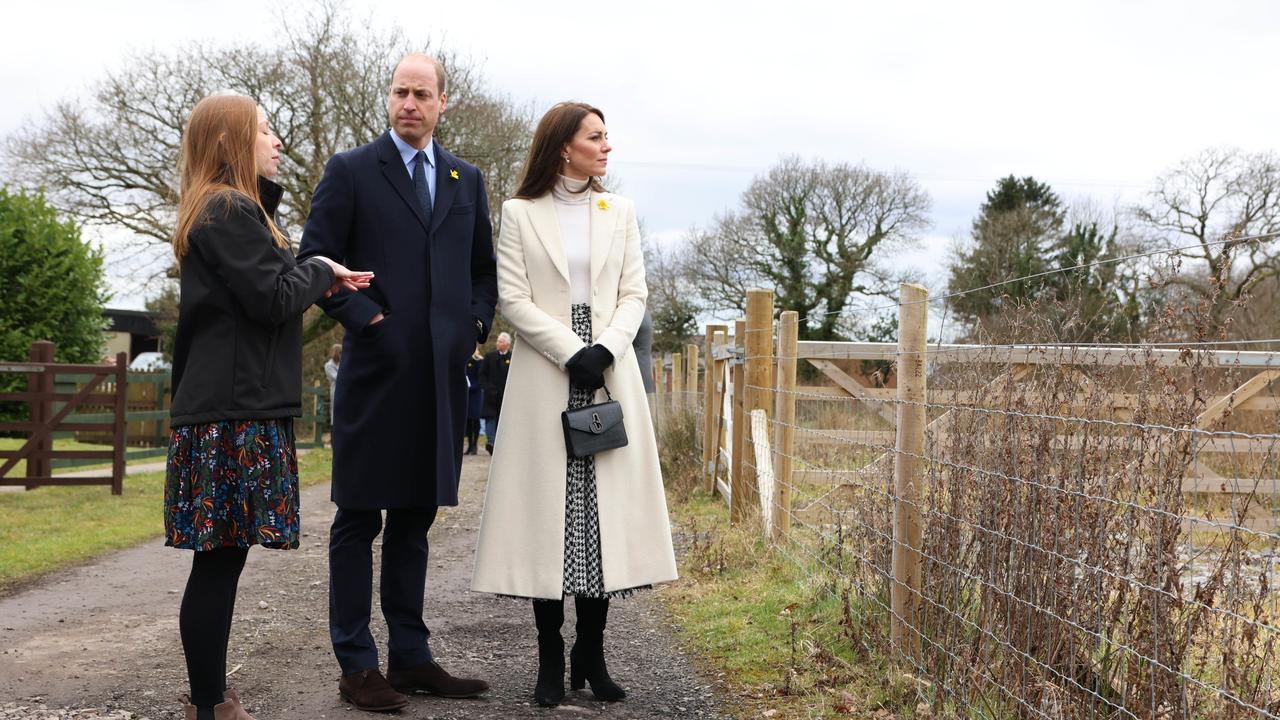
595,419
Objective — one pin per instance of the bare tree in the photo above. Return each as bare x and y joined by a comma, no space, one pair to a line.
1215,196
112,162
672,302
812,231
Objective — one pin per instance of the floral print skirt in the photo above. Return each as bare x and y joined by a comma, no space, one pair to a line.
232,483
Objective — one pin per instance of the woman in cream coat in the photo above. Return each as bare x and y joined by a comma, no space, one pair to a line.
571,282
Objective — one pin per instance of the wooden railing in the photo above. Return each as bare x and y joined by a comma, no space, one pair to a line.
51,411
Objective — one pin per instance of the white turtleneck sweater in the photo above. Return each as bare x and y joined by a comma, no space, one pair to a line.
573,208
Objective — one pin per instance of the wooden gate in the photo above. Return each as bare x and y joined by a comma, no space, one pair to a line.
106,386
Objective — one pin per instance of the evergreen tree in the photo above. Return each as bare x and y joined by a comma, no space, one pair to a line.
1014,236
1096,300
53,288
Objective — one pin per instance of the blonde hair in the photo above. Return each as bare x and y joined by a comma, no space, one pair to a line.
217,162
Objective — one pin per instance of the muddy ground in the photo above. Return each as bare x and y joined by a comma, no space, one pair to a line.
101,641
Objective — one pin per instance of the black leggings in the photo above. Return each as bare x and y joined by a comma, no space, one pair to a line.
205,620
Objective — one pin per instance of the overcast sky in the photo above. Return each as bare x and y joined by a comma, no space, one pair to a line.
1096,98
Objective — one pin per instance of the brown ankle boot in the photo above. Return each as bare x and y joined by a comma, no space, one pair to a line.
233,697
228,709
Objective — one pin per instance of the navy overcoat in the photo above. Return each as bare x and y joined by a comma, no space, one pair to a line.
400,404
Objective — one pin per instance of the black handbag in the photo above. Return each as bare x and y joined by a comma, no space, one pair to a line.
594,428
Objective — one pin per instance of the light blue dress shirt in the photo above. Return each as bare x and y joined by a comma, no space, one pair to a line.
409,152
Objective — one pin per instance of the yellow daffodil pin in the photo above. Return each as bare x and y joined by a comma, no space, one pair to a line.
453,174
602,204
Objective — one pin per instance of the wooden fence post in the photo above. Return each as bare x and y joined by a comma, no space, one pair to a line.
40,409
737,487
691,372
659,388
758,385
785,413
711,408
913,317
120,425
677,381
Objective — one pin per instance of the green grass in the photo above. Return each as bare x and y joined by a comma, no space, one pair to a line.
735,607
49,528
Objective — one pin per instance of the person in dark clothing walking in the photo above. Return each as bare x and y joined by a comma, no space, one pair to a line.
475,402
493,377
231,478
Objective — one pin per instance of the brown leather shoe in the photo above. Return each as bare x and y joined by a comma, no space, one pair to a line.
431,678
368,690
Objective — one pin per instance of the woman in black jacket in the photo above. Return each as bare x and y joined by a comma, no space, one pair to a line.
232,473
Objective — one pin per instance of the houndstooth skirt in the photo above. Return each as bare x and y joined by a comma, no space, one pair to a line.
583,575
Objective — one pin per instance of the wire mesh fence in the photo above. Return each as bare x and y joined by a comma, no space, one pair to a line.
1075,531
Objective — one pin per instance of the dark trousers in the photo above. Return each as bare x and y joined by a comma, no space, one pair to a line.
403,585
473,433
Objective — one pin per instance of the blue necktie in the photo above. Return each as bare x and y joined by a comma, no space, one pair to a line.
420,184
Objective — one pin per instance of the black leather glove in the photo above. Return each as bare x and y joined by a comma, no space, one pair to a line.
586,367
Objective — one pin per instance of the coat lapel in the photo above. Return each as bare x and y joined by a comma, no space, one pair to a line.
447,182
542,213
604,218
394,171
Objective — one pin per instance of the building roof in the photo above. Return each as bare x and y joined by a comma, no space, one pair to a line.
134,322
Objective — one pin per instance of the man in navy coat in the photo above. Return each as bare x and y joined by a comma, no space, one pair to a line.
418,217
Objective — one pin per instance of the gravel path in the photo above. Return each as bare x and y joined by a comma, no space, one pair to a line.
101,641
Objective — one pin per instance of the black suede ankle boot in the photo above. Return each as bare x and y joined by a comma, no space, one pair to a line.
586,659
548,615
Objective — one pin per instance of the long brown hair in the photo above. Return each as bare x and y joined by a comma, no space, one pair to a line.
555,130
217,162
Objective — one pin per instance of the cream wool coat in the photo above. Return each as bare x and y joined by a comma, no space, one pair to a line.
521,545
